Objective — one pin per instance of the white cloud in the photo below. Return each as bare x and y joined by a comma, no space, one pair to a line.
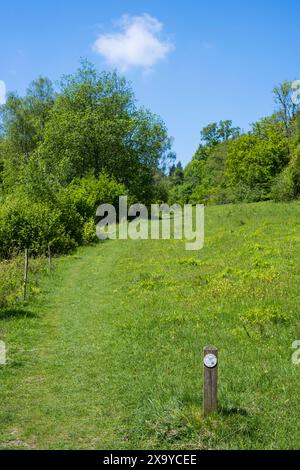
137,44
2,92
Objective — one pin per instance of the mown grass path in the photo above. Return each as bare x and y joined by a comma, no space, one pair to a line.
66,390
109,354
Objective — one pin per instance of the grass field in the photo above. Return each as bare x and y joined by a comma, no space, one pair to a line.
109,355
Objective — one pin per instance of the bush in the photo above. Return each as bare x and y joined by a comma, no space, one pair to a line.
69,217
78,203
64,222
287,184
89,231
88,193
31,224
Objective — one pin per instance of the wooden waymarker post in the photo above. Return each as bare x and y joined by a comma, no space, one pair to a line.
2,353
210,380
25,274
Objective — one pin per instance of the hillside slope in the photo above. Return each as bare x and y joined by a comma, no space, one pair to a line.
109,356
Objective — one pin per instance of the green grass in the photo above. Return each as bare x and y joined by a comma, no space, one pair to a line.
109,356
11,279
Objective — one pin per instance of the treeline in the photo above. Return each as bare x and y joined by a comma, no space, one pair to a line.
230,166
64,152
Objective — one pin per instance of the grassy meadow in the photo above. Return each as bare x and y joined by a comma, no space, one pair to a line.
108,355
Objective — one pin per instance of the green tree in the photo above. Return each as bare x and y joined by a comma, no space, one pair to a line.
254,160
287,109
287,185
215,133
95,125
23,120
204,177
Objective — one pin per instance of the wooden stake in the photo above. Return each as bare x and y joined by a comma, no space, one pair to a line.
210,380
49,258
25,274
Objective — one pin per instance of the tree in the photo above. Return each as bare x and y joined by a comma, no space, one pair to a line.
287,109
226,131
23,121
287,185
215,133
176,174
95,125
40,99
210,134
204,178
255,159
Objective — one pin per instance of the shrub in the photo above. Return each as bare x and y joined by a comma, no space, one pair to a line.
89,231
88,193
66,220
69,217
31,224
287,185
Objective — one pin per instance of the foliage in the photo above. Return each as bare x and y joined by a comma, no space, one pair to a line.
287,185
287,109
87,193
95,125
233,167
31,224
89,232
215,133
64,153
255,159
23,122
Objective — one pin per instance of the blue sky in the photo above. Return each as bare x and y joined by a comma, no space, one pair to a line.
193,61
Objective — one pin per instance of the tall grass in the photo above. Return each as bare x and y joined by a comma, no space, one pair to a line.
11,279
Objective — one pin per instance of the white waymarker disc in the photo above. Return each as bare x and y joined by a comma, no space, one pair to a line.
210,361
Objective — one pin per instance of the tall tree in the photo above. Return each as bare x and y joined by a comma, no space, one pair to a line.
287,109
23,121
95,125
215,133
